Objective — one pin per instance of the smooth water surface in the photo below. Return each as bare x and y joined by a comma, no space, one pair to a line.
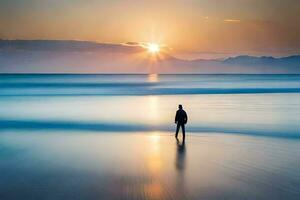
89,165
111,137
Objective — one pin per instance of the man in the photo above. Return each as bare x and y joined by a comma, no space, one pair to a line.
180,119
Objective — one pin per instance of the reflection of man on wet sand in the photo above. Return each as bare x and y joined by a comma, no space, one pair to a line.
181,119
180,156
180,166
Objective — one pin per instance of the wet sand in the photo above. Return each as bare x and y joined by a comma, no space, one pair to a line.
59,165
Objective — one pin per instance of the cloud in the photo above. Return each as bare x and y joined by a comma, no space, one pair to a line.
132,44
232,20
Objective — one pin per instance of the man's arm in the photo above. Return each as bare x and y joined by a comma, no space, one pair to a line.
186,118
176,117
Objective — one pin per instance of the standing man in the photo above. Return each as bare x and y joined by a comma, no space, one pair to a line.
180,119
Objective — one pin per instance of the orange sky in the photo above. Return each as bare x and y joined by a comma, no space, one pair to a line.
190,28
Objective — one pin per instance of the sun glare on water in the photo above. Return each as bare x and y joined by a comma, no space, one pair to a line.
153,48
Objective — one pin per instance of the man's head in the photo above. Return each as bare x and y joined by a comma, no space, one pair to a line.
180,107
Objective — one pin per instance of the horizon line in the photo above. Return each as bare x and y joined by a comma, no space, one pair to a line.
38,73
123,44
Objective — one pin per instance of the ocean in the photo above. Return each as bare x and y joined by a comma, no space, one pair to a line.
266,105
112,137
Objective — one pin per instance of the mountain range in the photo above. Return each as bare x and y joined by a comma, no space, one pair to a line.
70,56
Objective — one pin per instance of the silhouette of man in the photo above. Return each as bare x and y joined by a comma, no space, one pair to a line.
180,119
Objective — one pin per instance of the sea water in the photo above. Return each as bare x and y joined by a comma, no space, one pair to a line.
112,137
266,105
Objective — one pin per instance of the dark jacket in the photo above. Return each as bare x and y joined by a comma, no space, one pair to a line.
181,117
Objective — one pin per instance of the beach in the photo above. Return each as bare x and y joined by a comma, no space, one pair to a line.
149,100
147,166
112,137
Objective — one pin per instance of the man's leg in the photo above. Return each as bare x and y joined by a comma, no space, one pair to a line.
177,130
183,132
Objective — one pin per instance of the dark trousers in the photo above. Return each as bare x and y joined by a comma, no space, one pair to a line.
183,130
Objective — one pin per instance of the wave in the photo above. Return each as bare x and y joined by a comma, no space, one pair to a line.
72,85
76,85
131,90
36,125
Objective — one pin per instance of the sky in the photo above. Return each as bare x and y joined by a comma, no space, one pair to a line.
189,28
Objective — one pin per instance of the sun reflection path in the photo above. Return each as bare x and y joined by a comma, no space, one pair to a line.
153,78
154,156
153,106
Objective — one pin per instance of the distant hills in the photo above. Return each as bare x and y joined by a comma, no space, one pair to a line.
69,56
264,60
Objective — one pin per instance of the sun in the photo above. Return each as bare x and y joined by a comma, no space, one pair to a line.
153,48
